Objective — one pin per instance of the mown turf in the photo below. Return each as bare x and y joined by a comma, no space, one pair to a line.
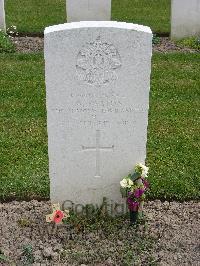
152,13
174,126
34,15
6,45
173,134
23,138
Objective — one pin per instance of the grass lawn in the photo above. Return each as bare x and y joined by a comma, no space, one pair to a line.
23,139
174,126
173,135
152,13
34,15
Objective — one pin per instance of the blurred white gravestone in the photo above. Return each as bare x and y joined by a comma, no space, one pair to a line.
185,18
88,10
2,16
97,83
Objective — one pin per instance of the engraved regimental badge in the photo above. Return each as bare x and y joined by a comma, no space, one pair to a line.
97,63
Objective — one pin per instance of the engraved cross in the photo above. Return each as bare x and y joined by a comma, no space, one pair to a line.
98,149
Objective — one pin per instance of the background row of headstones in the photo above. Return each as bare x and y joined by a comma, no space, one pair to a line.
185,14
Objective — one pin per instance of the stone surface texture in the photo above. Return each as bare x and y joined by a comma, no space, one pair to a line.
88,10
97,82
2,16
185,18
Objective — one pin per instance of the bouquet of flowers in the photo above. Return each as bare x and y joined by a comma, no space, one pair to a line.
134,187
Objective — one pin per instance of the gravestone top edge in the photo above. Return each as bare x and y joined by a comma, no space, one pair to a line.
95,24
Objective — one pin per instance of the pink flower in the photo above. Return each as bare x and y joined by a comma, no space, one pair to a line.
138,192
132,205
58,217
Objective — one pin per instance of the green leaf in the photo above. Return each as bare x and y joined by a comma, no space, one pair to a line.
124,192
135,176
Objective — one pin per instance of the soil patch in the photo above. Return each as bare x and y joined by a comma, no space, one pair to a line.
170,237
36,44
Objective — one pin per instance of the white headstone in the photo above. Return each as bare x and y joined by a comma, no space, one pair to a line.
2,16
185,18
97,82
88,10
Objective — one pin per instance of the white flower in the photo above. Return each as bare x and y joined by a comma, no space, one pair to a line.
126,183
123,183
144,169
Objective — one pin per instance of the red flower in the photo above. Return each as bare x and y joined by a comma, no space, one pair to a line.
58,217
